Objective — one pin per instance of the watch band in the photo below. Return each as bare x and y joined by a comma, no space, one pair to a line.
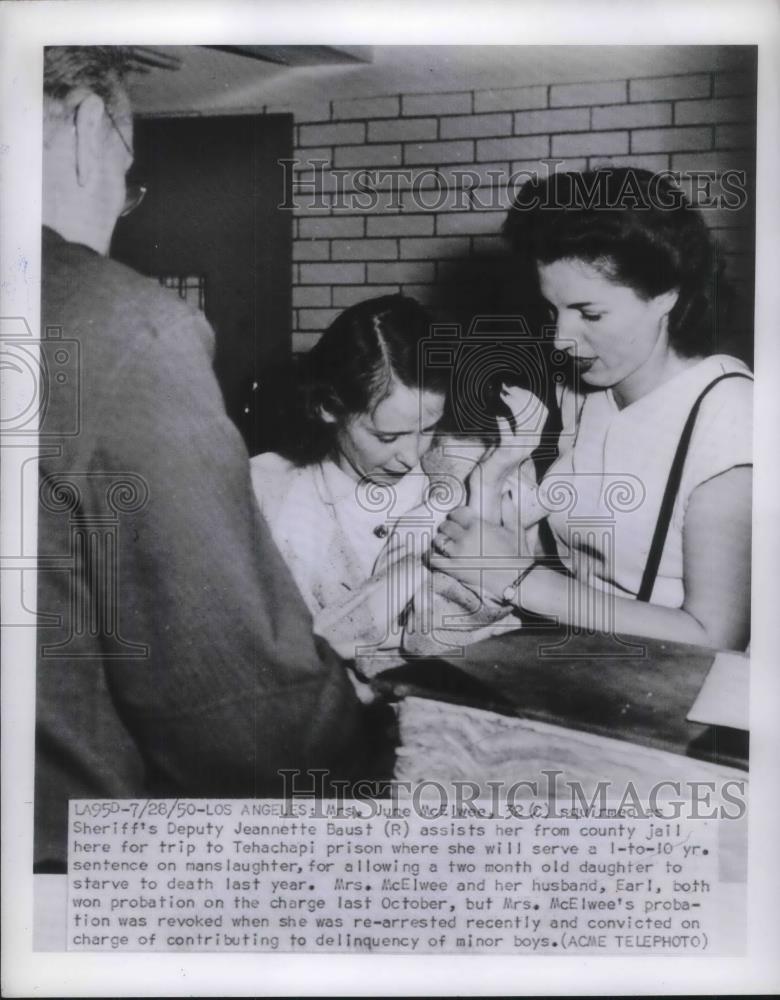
510,593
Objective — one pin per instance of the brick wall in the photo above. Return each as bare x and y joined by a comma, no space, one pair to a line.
443,163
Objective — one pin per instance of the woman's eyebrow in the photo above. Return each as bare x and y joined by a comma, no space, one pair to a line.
574,305
425,430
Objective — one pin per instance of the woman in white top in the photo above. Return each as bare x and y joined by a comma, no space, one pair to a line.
626,269
349,500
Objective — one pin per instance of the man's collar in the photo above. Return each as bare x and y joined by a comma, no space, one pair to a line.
51,238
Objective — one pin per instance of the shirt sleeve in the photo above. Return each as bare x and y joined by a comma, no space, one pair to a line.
723,435
234,685
270,475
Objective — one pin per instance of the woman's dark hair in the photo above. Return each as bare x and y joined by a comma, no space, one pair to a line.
638,229
366,350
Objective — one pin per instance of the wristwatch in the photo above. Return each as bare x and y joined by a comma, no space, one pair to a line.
510,593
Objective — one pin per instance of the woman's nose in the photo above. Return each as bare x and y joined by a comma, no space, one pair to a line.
412,450
567,336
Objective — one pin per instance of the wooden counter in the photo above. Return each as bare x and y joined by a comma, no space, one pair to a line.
626,688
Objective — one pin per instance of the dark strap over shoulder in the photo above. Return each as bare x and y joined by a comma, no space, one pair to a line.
671,491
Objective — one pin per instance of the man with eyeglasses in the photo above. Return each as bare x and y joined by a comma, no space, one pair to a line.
175,656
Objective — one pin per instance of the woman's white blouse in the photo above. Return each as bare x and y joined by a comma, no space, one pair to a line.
329,528
602,495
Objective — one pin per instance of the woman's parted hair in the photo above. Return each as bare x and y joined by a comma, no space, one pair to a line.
353,366
637,228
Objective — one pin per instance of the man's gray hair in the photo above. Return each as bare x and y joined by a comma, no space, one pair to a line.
100,69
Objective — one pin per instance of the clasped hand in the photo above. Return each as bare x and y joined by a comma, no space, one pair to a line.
484,556
471,545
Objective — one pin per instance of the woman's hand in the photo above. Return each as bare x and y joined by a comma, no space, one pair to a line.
529,416
483,556
516,445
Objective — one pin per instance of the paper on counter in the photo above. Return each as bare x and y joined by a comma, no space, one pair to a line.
724,697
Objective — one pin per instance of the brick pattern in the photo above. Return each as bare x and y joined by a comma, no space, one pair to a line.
420,182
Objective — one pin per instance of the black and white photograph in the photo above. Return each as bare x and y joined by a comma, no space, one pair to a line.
381,536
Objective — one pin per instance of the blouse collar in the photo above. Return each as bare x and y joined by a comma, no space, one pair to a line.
335,486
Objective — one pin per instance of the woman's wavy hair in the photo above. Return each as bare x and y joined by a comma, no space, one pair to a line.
638,229
366,350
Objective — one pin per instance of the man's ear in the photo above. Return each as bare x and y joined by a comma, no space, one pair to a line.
90,137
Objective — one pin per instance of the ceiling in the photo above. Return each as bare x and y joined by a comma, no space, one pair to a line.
213,81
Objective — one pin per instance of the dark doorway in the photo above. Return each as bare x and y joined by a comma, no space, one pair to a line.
211,229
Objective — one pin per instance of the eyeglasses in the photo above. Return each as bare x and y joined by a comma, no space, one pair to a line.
134,193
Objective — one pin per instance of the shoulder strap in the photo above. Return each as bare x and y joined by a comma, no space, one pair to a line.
671,491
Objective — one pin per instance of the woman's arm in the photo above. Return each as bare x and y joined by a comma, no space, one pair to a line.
370,618
716,579
716,557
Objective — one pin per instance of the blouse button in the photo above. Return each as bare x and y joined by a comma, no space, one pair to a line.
380,531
